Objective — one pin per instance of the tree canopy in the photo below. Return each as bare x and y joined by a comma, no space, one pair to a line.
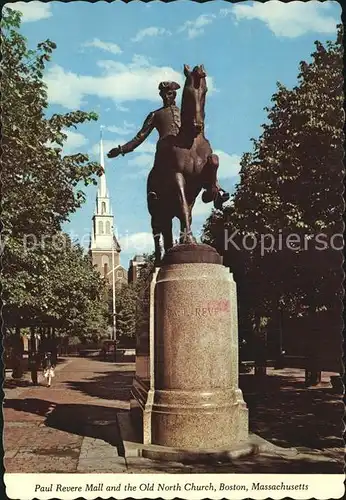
43,281
290,199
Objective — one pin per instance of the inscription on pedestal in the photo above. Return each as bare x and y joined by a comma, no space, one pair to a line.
213,308
208,308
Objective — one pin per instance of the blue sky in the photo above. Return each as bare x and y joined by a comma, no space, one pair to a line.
111,57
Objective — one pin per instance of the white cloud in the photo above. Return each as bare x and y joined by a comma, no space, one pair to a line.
107,46
64,87
32,11
225,11
134,165
287,19
121,108
142,161
107,146
125,129
201,209
196,27
137,243
151,31
229,165
146,147
74,141
110,66
119,82
139,166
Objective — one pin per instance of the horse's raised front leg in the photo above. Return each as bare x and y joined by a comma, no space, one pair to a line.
210,179
185,224
211,184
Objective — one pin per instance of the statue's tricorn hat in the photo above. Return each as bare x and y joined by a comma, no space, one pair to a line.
169,86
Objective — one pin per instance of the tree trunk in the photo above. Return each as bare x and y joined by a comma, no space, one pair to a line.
260,349
17,358
279,362
312,371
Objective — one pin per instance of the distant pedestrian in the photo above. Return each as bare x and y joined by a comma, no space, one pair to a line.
48,368
34,365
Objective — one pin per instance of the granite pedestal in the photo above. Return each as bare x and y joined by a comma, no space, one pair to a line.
191,399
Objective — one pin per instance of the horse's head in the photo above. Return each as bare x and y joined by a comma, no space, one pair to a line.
193,101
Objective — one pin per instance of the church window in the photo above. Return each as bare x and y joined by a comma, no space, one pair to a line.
108,227
103,207
105,269
105,260
100,227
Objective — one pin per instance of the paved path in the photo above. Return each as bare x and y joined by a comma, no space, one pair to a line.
73,426
49,429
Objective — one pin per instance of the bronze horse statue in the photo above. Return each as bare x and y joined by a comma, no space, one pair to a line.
184,165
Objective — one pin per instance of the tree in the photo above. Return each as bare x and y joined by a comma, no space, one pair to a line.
291,184
39,181
65,292
132,305
126,314
40,187
73,292
142,287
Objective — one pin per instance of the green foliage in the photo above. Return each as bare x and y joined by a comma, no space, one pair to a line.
39,181
291,184
142,287
132,305
42,283
62,289
126,313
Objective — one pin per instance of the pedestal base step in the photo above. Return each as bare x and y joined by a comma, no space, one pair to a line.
254,445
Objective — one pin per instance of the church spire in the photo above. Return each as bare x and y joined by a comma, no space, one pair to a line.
102,190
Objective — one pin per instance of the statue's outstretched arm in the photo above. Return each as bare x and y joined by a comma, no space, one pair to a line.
144,132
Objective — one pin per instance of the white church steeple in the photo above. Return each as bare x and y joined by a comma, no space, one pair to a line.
102,189
104,247
103,219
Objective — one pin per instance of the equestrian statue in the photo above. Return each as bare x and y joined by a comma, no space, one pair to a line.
184,161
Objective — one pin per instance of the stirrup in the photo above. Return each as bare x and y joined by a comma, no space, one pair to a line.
208,195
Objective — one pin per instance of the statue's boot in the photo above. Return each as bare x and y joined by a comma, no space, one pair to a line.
221,198
216,194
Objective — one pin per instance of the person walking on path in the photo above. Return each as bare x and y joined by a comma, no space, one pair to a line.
48,367
34,365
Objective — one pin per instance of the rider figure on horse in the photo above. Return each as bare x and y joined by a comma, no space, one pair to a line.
166,120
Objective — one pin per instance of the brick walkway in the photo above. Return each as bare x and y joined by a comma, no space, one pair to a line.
45,427
73,426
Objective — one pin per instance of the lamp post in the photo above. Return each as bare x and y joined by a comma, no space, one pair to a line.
113,290
114,329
